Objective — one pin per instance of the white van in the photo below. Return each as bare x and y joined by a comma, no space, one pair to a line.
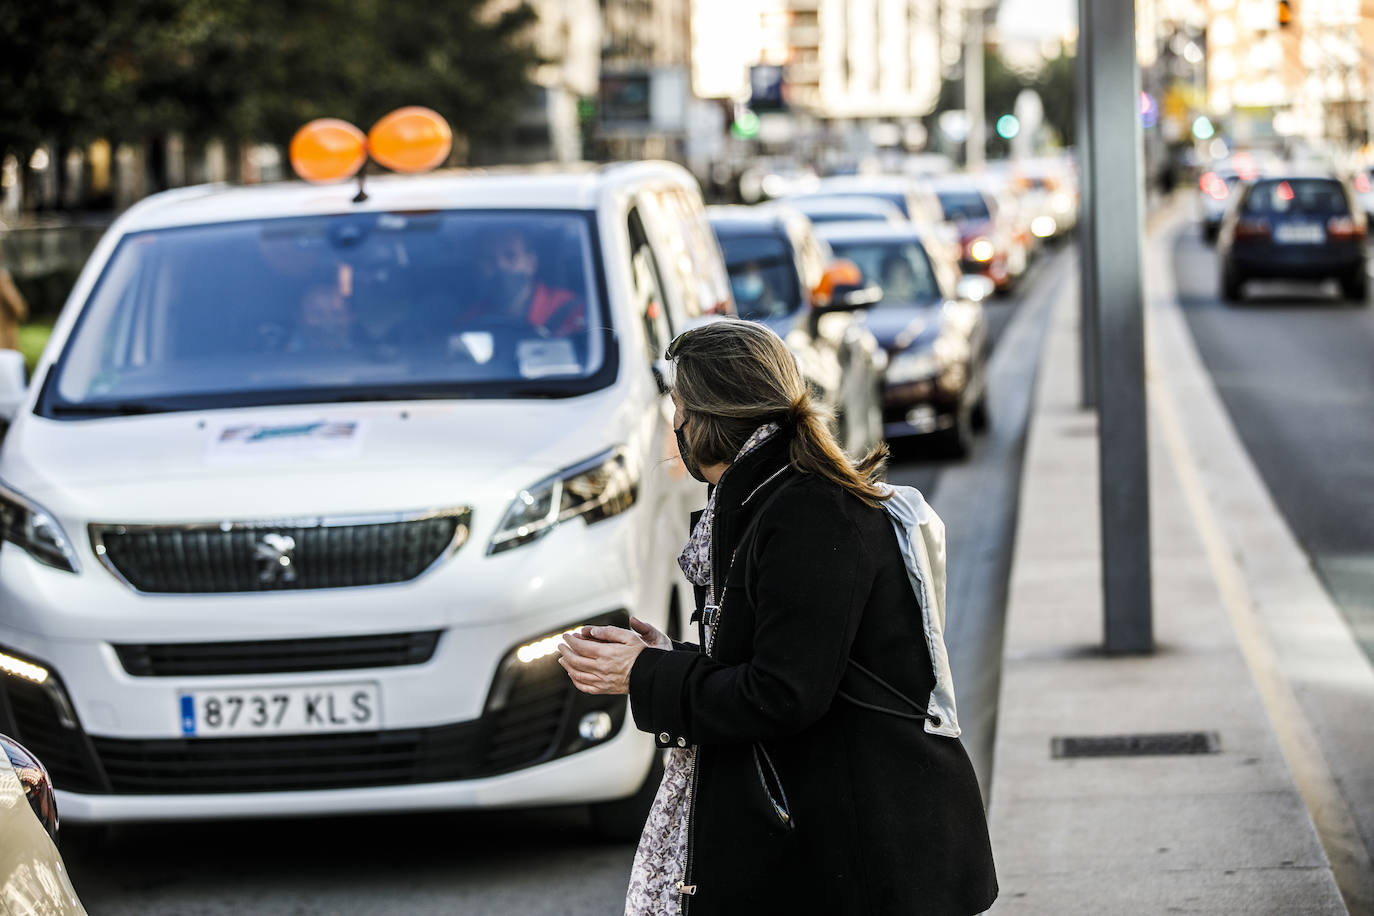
305,488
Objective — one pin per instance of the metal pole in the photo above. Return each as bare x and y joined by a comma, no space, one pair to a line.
1110,95
974,150
1087,303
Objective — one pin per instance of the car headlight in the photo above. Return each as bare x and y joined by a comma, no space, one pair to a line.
33,530
592,490
980,250
912,366
37,785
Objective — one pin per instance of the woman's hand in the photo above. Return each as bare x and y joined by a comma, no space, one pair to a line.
599,659
653,637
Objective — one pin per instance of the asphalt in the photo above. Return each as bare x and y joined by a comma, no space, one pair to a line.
1251,654
977,499
1293,366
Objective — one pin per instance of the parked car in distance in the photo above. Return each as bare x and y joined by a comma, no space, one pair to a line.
33,877
1214,194
936,338
1048,187
841,209
988,243
912,196
1293,227
776,266
314,484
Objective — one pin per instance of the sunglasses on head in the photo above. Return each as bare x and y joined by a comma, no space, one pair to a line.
675,346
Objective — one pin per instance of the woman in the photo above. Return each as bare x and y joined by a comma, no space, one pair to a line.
806,773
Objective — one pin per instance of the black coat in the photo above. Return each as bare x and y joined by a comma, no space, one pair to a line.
888,818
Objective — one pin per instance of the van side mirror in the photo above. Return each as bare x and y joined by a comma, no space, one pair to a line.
13,383
842,289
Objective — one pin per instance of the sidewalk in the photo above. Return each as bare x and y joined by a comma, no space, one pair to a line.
1226,832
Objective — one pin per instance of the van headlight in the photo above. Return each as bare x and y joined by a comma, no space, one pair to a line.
592,490
32,529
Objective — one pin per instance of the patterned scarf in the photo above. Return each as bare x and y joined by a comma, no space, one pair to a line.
696,556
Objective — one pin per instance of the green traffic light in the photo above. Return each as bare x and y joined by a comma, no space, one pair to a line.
746,126
1008,126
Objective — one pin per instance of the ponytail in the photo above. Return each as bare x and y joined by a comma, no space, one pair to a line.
815,451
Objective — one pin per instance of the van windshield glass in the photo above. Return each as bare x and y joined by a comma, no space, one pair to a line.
364,306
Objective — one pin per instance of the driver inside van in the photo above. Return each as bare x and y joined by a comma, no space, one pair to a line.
325,322
513,288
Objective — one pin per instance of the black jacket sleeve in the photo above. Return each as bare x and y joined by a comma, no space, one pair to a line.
810,582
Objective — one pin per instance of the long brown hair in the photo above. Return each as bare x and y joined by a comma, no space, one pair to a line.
732,376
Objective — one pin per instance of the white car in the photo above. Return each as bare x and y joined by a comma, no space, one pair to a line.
306,489
33,877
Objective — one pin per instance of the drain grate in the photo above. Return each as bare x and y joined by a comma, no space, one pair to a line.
1136,745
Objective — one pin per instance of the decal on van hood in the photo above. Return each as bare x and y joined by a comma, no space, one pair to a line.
235,443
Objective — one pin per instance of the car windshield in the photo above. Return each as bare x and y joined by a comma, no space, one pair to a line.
900,268
763,275
845,216
365,306
962,206
1315,196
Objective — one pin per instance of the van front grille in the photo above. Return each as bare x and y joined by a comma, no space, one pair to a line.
277,656
272,556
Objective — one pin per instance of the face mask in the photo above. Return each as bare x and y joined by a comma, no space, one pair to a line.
692,467
511,285
749,287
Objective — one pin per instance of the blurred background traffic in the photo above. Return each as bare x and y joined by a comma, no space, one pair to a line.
104,104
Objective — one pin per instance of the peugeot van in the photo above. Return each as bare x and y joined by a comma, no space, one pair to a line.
307,484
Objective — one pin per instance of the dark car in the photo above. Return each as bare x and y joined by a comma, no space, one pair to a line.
937,342
776,264
986,243
1298,227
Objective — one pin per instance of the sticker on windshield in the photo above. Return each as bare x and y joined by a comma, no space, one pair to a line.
249,442
542,358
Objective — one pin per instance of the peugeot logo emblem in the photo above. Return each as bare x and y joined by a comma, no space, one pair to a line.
275,555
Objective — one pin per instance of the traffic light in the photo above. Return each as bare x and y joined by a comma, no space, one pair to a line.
1285,13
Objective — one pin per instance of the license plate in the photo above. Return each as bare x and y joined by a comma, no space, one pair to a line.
284,710
1299,234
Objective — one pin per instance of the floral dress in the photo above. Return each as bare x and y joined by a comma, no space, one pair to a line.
661,858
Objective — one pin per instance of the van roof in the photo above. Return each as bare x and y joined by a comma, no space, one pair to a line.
562,187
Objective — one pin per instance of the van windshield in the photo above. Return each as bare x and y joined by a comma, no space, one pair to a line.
352,307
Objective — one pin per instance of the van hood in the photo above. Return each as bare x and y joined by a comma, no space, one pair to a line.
304,460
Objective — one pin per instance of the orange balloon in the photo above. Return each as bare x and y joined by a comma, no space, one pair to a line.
328,149
412,139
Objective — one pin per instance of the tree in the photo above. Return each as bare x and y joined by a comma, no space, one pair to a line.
77,69
1056,84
